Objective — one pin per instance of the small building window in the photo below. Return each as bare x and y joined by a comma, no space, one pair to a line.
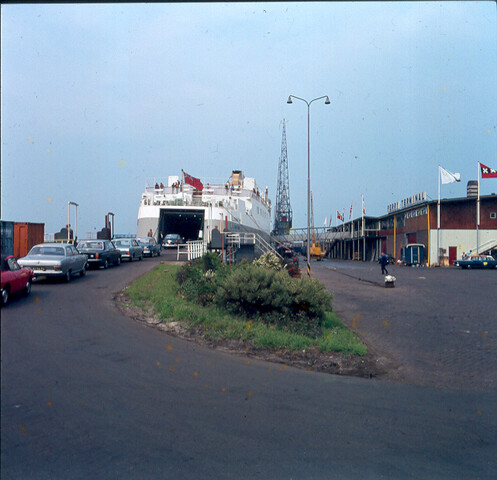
493,215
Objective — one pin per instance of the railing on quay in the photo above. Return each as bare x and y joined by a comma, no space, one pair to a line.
194,249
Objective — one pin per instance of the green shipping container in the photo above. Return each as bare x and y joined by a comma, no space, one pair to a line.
7,235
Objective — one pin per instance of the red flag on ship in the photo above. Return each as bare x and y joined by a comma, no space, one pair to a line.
194,182
487,172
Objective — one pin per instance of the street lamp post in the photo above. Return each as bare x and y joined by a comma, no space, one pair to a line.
112,231
69,221
327,102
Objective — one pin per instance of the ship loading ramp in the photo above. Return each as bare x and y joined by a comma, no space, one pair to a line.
189,223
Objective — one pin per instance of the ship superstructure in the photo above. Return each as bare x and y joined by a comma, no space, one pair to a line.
195,211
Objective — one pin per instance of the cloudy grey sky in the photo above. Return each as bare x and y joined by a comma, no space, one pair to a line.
99,100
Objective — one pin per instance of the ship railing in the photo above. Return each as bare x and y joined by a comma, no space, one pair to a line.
215,191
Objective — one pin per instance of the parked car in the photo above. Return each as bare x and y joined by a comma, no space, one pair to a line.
477,261
14,278
173,240
149,245
129,248
55,260
101,253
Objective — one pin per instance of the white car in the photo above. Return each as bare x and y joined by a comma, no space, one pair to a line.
55,260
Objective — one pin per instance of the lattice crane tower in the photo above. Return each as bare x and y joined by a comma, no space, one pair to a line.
283,211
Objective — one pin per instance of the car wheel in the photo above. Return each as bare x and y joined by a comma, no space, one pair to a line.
83,271
67,278
106,264
5,295
27,289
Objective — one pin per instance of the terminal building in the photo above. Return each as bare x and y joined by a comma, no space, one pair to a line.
409,231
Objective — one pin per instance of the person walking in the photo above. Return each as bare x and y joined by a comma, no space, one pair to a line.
383,263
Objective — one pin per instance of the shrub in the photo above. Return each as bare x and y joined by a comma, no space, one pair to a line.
273,297
269,260
212,261
198,279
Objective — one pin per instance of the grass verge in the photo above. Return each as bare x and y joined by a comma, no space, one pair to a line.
158,291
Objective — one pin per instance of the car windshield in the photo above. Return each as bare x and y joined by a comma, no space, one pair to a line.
91,246
144,241
172,236
47,251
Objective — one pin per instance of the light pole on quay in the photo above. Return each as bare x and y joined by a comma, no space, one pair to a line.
69,221
327,102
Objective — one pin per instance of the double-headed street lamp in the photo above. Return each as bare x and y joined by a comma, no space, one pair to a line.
327,102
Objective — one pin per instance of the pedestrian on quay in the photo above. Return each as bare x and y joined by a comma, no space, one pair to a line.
383,263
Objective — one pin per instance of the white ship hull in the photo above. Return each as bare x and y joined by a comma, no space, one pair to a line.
237,206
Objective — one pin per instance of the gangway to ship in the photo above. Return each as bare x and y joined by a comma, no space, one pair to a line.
249,241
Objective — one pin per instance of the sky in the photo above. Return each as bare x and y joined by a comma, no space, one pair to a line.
99,101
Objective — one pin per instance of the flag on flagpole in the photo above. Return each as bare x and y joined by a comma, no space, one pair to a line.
448,177
339,216
193,181
350,213
363,206
325,222
487,172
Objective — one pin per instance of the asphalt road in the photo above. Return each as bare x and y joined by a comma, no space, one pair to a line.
90,394
436,327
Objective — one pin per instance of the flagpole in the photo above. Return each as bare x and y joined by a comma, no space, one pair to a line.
363,233
352,220
438,217
182,183
478,214
344,251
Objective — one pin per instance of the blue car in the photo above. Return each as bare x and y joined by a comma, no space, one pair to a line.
477,261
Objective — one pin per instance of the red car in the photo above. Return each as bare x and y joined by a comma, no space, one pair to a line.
14,278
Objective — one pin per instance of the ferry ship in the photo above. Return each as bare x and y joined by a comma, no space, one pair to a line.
194,210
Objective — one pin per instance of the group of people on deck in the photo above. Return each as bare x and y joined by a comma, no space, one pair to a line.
175,185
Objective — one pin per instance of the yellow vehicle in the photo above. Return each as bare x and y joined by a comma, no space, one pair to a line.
315,249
